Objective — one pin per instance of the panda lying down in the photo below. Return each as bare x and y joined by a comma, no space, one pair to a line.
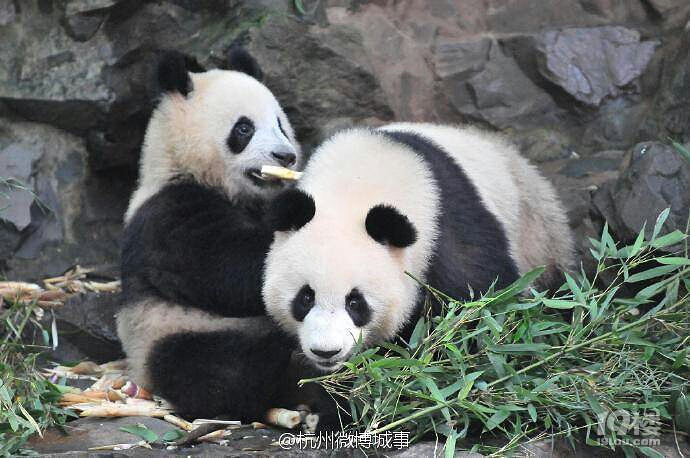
452,206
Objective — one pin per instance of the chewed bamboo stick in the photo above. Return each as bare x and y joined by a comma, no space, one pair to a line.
120,446
214,436
283,417
280,172
113,409
179,422
206,421
110,286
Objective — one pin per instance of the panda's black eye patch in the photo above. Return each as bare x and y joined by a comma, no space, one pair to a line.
241,134
280,126
303,302
358,308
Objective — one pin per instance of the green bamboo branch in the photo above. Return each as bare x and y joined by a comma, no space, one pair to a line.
551,357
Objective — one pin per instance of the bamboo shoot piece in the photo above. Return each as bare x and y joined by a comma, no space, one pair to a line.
280,172
283,418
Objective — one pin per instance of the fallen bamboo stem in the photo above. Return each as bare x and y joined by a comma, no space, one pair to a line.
112,409
179,422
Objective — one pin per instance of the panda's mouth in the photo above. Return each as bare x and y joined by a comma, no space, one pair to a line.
328,366
255,176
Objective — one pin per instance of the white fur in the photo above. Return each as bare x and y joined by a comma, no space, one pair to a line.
354,171
187,135
347,176
511,188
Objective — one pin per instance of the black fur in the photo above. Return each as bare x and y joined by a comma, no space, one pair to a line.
280,126
387,225
240,135
236,374
190,245
358,308
472,247
240,60
173,68
302,302
291,210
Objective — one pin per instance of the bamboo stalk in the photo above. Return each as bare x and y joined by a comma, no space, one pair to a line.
179,422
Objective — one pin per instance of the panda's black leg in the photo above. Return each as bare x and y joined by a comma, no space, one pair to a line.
230,373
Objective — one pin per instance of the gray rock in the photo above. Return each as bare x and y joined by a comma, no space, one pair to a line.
15,166
593,63
674,12
461,59
86,6
87,328
656,178
77,217
317,76
670,114
82,27
45,228
542,144
84,433
428,450
500,94
576,179
7,12
521,16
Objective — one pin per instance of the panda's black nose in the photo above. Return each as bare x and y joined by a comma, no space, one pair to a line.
326,354
284,159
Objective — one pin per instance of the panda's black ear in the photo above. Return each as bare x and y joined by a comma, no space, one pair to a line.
386,225
240,60
173,72
291,210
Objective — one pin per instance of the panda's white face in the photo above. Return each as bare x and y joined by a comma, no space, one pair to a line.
222,132
242,119
339,272
330,287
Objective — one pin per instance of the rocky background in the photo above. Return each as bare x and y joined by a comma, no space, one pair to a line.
590,90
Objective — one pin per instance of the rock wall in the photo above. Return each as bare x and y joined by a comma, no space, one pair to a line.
576,83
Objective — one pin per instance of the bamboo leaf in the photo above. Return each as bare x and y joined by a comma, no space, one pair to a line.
141,431
660,220
668,239
650,273
559,303
496,419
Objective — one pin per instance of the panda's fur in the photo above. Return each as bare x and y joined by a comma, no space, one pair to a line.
454,207
193,324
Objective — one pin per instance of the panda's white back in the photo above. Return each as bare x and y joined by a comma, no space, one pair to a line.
511,188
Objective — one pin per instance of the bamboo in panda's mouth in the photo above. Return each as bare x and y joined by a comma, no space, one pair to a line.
282,173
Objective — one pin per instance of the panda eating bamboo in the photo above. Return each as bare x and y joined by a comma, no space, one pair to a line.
193,323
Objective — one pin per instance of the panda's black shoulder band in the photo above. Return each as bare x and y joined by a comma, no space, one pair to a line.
291,210
386,225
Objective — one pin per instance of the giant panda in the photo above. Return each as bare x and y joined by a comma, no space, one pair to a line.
193,324
456,207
